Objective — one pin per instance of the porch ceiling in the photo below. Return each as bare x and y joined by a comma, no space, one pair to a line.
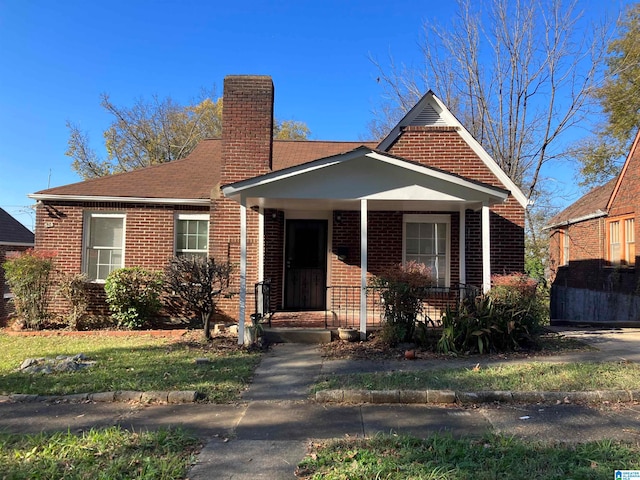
387,182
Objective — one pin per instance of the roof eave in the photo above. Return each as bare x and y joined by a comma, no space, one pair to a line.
571,221
99,198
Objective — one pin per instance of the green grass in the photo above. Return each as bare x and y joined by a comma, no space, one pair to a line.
535,376
111,453
442,457
134,362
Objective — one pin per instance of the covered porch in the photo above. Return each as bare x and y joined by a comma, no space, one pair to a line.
328,226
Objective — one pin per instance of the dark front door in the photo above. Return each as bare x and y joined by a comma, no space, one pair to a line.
305,264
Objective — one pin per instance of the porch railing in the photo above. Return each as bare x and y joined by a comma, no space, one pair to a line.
344,304
262,295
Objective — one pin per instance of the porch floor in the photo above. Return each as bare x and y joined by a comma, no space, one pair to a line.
317,319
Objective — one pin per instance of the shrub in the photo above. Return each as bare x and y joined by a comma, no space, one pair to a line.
28,277
510,316
402,289
74,289
133,295
196,283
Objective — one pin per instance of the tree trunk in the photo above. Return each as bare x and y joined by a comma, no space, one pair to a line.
206,324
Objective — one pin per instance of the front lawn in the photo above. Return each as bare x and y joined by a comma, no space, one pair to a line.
111,453
522,377
442,457
137,361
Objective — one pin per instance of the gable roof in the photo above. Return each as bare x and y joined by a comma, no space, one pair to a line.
12,232
592,205
186,181
430,111
624,170
364,173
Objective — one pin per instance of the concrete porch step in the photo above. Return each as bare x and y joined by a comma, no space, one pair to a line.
296,335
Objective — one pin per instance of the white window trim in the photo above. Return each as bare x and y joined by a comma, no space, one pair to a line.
86,232
190,216
565,247
428,218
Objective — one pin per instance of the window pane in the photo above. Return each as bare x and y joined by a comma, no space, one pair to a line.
106,232
426,246
192,237
426,243
104,251
427,230
413,230
413,246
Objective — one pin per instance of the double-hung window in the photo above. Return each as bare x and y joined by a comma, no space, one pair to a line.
192,235
104,244
426,240
621,246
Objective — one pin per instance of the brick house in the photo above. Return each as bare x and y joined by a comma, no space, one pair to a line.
14,237
309,216
592,252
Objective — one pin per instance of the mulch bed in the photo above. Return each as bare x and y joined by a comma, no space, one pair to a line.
375,349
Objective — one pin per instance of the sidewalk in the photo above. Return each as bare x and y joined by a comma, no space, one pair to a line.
266,435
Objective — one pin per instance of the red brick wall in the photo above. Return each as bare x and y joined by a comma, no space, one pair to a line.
274,254
247,144
149,239
444,148
587,267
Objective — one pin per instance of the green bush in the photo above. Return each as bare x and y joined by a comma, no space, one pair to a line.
133,295
507,318
75,289
28,277
402,288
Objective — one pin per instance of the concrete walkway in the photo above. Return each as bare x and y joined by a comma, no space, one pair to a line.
266,435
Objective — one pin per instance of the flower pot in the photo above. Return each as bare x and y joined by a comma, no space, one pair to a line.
410,354
348,334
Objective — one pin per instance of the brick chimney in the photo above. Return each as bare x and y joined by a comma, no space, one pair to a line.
247,127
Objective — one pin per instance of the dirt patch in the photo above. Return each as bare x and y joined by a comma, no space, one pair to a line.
375,349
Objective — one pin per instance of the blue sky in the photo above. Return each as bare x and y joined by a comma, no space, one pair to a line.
57,57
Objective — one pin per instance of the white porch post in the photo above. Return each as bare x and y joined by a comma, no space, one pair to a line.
260,244
363,269
243,270
462,246
486,250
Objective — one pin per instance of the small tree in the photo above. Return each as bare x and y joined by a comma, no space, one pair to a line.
74,288
198,283
28,277
402,290
133,295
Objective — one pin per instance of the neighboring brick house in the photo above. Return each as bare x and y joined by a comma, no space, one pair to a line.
14,237
592,252
307,215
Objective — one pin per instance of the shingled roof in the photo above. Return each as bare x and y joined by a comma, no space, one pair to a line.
193,177
12,231
591,205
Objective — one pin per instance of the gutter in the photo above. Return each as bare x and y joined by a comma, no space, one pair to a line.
597,214
91,198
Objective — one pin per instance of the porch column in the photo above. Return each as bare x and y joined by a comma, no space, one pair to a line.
486,250
462,246
363,269
260,244
243,270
